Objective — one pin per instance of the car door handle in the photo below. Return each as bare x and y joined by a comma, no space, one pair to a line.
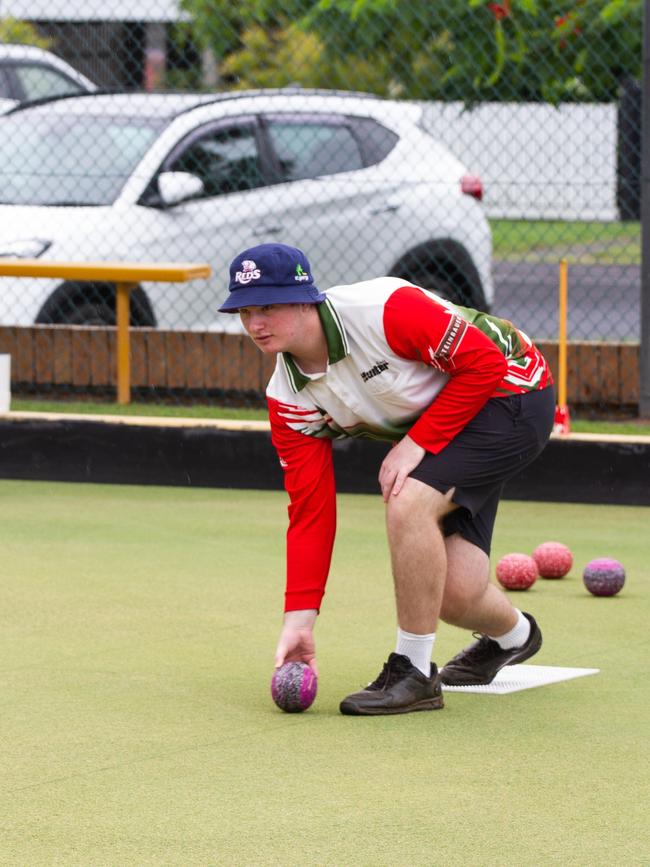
268,230
384,208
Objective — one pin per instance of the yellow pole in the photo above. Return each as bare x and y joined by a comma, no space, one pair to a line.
123,349
562,355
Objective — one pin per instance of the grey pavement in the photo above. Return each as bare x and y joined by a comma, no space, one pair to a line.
604,301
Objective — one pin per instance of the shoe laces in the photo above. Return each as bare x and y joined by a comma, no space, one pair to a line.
482,647
393,670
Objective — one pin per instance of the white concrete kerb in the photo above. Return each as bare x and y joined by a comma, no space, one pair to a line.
5,383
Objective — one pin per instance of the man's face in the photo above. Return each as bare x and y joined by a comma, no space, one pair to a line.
274,327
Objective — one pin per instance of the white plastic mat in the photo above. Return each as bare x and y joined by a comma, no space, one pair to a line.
514,678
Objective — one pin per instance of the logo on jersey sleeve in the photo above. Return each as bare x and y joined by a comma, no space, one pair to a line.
442,356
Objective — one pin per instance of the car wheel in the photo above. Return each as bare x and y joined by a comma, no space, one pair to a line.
93,304
91,314
446,268
434,279
443,288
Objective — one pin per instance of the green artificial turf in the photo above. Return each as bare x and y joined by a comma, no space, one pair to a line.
154,410
137,634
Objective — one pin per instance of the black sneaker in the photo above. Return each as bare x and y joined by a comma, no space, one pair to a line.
400,688
479,663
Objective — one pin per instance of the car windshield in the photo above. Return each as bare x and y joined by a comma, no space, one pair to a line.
73,160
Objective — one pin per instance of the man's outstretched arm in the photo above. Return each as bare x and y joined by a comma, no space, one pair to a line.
309,482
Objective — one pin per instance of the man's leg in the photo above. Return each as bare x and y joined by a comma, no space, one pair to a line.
470,601
419,562
502,438
418,554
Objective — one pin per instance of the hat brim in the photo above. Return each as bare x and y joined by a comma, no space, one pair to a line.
260,296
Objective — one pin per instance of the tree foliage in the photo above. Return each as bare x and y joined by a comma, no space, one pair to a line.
13,31
467,50
290,56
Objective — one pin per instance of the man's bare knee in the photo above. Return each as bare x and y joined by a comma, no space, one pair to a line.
418,499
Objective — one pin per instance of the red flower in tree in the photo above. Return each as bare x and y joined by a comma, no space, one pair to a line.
500,10
561,20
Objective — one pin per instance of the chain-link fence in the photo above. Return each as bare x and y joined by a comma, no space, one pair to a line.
468,146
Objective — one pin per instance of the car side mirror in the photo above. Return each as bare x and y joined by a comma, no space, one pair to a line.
177,187
7,104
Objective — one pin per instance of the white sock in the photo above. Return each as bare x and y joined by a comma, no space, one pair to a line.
517,636
418,648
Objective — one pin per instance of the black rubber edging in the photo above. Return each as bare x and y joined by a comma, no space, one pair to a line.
569,470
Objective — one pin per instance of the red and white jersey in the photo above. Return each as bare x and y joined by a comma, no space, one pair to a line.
401,360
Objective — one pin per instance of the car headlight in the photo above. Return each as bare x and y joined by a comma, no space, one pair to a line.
27,248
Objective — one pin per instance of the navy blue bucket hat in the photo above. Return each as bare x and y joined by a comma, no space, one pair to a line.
270,274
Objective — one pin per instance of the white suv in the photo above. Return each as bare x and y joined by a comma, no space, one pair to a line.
28,73
353,180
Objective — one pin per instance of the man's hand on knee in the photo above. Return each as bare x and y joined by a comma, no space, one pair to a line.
397,465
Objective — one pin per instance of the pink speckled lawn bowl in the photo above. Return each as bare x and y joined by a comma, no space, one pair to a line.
294,686
604,577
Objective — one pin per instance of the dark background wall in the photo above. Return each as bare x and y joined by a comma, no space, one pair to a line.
570,469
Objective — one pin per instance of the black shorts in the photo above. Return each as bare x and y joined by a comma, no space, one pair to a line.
506,435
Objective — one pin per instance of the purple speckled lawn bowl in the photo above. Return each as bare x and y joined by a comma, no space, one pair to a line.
294,687
604,577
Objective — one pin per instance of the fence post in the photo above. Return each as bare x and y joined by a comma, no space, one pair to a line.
644,358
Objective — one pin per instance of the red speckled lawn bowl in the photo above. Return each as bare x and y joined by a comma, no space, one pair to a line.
516,571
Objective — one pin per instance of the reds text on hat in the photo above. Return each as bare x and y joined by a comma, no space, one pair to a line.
249,271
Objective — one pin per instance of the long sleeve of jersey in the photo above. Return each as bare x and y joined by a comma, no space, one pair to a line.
309,482
419,328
